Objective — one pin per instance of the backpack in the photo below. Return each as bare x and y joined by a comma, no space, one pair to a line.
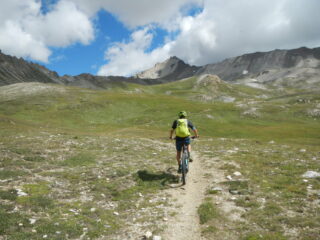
182,129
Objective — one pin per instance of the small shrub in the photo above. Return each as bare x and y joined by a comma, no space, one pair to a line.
20,151
9,194
34,158
5,174
81,159
266,236
207,212
210,230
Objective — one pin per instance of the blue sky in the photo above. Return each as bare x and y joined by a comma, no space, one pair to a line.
79,58
123,37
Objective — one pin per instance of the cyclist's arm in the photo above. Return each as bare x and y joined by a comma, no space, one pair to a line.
195,131
171,133
174,126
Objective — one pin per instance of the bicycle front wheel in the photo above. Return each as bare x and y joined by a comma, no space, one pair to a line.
184,167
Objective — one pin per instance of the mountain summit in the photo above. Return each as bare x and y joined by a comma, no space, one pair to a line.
172,68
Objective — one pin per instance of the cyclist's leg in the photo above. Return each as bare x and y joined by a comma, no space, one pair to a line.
189,149
179,150
178,157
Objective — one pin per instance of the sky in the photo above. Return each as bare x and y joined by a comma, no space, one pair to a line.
124,37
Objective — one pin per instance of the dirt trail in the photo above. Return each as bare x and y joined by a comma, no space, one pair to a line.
185,225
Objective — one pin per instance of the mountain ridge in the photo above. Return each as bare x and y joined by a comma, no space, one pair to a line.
258,62
278,67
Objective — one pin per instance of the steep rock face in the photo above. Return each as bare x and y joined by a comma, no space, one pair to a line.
14,70
252,65
171,69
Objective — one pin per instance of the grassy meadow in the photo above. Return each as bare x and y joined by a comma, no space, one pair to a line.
83,164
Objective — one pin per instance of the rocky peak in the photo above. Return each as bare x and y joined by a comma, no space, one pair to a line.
171,69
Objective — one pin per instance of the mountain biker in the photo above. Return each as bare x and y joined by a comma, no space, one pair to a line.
181,128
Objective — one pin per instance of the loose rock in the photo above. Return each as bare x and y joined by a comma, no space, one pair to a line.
311,174
148,234
216,189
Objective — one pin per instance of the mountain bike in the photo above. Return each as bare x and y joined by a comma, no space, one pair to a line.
185,162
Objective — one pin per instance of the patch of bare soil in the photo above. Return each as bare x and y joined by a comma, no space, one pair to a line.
14,91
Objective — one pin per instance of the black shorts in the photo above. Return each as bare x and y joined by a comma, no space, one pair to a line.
181,141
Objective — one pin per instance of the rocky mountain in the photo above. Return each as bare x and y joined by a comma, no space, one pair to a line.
172,68
299,68
257,63
15,70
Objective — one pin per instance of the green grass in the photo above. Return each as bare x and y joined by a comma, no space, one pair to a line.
6,174
85,149
10,194
207,211
9,221
273,173
107,112
265,236
80,159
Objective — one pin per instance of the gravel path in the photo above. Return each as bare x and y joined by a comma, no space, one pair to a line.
185,225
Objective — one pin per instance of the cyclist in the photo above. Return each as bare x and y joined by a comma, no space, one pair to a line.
181,128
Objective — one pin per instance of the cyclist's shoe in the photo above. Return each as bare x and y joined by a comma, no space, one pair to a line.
179,169
190,158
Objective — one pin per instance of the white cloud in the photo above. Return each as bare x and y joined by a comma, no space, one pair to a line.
231,28
26,32
196,40
225,29
125,59
64,25
17,42
139,12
